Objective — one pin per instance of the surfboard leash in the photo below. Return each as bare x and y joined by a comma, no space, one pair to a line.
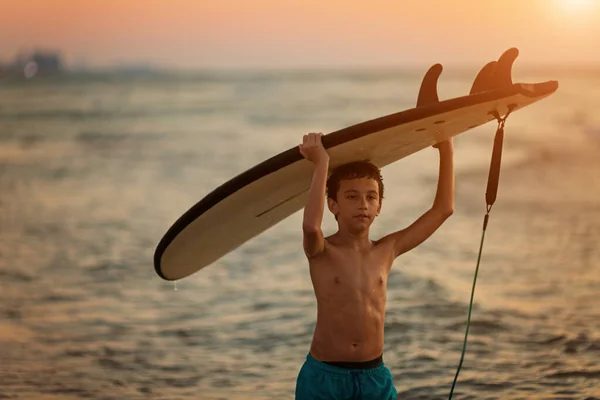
490,197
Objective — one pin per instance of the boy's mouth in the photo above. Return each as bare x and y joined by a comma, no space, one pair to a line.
362,216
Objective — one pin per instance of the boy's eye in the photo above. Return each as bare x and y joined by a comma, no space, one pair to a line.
372,198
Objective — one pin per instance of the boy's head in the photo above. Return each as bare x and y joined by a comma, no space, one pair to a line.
354,194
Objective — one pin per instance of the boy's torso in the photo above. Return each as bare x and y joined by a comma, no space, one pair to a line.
350,286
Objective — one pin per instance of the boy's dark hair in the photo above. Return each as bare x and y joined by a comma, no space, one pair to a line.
353,170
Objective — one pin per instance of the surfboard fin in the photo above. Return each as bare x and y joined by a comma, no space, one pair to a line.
496,74
428,92
503,70
483,81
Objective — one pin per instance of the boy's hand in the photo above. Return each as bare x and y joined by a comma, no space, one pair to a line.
312,149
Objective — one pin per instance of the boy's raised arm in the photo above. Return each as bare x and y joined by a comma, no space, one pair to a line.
312,149
442,208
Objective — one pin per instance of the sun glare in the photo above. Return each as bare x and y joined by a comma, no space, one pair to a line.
577,5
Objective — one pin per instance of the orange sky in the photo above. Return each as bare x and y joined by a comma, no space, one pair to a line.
298,33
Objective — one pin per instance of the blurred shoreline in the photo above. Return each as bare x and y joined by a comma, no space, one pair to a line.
326,73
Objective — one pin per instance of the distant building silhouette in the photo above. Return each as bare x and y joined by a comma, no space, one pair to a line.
36,64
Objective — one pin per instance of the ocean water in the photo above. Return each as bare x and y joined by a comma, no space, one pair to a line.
94,170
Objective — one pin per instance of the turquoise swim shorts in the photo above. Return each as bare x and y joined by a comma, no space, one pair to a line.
322,381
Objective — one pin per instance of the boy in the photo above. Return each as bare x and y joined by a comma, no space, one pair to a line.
349,274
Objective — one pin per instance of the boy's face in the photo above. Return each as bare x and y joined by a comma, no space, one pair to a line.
357,203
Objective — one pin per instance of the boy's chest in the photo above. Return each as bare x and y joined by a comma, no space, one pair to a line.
353,272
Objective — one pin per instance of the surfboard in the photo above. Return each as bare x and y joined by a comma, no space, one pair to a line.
262,196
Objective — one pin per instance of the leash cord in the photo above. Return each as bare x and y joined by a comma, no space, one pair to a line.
464,348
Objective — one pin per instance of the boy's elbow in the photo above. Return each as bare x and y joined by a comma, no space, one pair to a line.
445,212
448,212
310,228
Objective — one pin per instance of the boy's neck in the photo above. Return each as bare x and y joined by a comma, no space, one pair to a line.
358,240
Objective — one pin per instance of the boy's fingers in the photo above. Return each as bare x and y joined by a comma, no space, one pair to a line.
302,151
312,139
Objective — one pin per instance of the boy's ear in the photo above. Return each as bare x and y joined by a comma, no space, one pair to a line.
379,208
332,205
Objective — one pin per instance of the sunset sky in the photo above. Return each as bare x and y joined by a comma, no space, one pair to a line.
302,33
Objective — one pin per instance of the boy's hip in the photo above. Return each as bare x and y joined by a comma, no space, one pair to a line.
323,381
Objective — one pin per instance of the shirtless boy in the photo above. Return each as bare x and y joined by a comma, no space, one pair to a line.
349,274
